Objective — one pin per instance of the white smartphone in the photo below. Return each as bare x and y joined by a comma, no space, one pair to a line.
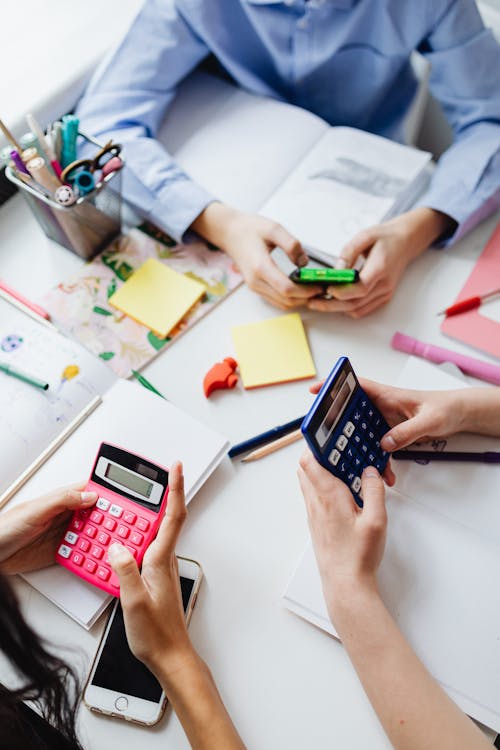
119,684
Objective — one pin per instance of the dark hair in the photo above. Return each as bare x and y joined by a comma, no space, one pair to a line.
44,679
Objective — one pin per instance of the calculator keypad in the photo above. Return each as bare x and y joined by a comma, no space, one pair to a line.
91,531
355,443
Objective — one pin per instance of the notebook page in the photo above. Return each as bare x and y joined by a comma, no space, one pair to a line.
32,418
238,145
349,180
433,581
468,493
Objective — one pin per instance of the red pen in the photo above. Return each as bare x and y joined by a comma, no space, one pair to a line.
467,304
24,301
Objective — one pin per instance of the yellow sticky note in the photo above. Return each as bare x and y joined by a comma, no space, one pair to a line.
273,351
157,296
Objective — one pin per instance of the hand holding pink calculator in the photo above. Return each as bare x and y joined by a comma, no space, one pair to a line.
132,501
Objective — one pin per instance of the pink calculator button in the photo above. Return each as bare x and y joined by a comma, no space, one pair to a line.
90,531
76,524
96,516
136,538
114,580
84,513
129,517
123,531
77,558
103,573
83,544
103,538
142,524
110,524
90,565
97,551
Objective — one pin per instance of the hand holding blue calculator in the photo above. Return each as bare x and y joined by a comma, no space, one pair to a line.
343,428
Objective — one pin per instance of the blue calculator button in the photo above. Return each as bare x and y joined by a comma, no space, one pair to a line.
364,448
364,424
357,462
357,439
350,476
350,453
371,458
343,467
370,413
356,415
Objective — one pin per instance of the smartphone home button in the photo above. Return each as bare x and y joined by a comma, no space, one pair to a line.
121,703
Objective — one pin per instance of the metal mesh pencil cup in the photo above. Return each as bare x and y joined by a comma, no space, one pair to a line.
85,227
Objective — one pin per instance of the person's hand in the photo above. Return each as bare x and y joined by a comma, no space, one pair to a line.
249,239
348,541
388,249
416,416
151,599
31,531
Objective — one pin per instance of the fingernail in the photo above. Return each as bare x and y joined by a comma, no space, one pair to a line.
116,552
388,443
340,263
88,497
303,260
371,471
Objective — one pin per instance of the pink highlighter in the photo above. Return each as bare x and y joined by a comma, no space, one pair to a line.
131,504
471,366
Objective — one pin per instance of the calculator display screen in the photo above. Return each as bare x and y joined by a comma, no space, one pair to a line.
128,479
119,670
338,396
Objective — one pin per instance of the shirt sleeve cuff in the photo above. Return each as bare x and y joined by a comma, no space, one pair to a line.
175,209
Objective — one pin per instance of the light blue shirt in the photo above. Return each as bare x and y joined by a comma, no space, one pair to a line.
345,60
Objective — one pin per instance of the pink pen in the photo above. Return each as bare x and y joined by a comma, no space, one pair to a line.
469,365
23,300
45,144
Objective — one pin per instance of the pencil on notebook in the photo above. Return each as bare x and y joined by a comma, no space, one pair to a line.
292,437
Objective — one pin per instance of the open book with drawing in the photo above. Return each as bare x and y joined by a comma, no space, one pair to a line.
83,393
322,183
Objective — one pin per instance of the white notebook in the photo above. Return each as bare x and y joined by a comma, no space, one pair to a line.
443,551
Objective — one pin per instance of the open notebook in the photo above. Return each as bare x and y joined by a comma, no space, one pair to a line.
322,183
442,551
125,414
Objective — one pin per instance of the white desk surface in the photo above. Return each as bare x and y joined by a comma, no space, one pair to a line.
285,683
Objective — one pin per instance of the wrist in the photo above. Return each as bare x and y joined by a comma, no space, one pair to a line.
213,222
347,598
181,666
429,225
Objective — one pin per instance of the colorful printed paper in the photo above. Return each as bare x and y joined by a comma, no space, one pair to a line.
80,305
273,351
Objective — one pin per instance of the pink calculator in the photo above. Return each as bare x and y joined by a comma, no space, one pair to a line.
132,501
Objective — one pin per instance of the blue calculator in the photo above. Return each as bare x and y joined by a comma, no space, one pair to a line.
344,428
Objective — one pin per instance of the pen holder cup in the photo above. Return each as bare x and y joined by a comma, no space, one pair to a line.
85,227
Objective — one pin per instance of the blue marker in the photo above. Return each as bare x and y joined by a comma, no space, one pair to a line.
69,133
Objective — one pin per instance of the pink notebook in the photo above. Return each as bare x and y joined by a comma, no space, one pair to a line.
473,327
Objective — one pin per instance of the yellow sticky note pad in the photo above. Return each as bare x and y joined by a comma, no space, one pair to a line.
157,296
273,351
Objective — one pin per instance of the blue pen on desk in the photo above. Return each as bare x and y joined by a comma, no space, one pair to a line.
265,437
